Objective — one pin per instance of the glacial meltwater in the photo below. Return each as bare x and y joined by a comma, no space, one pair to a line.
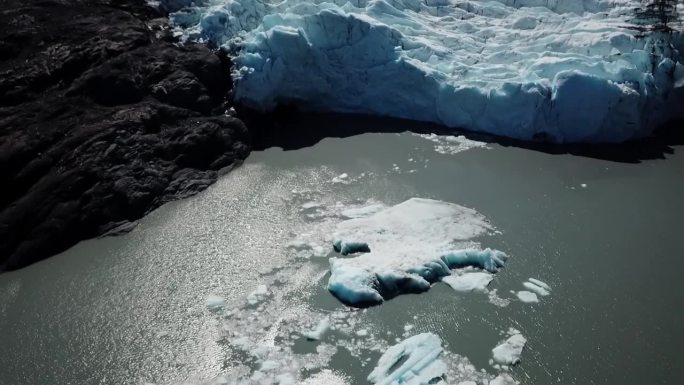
231,285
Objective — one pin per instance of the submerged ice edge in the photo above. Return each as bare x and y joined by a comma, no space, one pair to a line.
556,70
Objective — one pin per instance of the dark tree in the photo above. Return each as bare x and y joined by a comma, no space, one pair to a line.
656,16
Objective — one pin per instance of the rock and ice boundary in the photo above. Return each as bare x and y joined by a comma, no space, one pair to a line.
566,71
406,248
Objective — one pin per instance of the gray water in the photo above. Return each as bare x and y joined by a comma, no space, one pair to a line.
131,309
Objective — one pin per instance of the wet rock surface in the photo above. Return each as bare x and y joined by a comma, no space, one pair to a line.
103,117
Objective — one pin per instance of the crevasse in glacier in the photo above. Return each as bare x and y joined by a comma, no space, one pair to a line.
567,71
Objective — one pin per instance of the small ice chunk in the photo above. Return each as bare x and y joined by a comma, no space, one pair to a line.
537,289
467,383
412,361
362,333
215,303
540,283
495,300
408,327
527,296
509,351
469,281
258,295
319,331
584,185
342,178
503,379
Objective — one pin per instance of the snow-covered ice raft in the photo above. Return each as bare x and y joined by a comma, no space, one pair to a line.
406,248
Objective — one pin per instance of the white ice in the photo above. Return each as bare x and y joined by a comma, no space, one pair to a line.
257,295
562,70
406,248
421,362
317,333
527,296
214,302
509,351
538,287
503,379
469,281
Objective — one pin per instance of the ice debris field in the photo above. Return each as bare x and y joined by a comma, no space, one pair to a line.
375,252
561,70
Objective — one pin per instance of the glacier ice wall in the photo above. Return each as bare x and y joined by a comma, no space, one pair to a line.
562,70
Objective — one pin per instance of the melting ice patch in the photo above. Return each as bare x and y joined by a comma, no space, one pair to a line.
406,248
515,68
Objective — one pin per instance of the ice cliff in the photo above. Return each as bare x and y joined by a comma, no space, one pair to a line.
561,70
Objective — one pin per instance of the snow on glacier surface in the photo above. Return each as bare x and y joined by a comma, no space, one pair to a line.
556,69
406,248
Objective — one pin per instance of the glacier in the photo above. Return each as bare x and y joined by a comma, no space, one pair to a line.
557,70
405,248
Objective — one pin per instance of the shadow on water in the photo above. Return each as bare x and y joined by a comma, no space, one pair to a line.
291,130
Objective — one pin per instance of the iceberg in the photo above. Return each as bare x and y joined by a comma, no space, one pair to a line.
412,361
557,70
406,248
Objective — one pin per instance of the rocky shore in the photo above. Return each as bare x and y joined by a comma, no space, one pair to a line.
103,117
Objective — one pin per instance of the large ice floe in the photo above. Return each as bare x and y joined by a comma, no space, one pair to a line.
406,248
562,70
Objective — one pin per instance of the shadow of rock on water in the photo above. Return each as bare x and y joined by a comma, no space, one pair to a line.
291,130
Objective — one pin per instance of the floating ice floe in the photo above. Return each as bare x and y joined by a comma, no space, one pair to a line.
257,295
413,361
342,178
509,351
517,68
317,333
537,287
503,379
407,247
214,302
469,280
527,296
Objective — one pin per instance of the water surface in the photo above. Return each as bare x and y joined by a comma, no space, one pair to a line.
131,310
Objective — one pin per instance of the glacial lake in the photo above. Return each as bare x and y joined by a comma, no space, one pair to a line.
606,236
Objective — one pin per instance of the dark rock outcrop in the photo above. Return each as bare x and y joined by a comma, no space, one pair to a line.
102,119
